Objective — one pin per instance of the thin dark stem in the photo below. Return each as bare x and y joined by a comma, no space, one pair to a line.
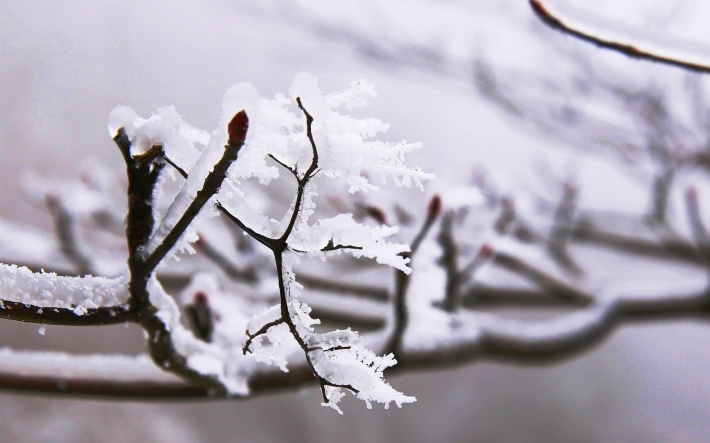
210,187
676,249
285,166
322,284
303,181
401,283
175,166
481,296
544,280
12,310
263,330
65,229
563,221
449,261
264,240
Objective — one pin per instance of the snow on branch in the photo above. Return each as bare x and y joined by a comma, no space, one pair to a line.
602,39
50,290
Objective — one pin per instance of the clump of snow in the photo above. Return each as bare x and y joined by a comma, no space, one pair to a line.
42,289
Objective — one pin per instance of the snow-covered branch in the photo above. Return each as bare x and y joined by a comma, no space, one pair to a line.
599,38
251,251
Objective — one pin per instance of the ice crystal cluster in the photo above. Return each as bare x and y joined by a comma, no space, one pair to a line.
331,150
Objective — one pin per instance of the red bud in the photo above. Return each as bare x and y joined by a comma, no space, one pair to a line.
691,194
53,201
435,206
200,298
201,316
377,214
538,7
237,128
486,250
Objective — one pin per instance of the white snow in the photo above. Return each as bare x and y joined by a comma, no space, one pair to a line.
41,289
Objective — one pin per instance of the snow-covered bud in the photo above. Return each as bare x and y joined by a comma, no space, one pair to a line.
237,129
200,316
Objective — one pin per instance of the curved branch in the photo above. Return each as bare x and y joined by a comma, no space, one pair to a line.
508,340
517,341
627,49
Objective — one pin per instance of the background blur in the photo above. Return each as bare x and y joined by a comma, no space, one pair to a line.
65,65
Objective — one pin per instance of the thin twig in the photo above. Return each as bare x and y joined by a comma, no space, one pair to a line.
401,284
449,261
210,187
285,166
541,278
264,240
561,231
66,231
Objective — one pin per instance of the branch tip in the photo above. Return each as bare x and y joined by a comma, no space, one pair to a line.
237,129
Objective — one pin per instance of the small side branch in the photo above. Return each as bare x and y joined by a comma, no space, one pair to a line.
627,49
66,231
562,229
263,330
449,261
677,249
210,187
542,279
323,284
401,284
293,171
264,240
